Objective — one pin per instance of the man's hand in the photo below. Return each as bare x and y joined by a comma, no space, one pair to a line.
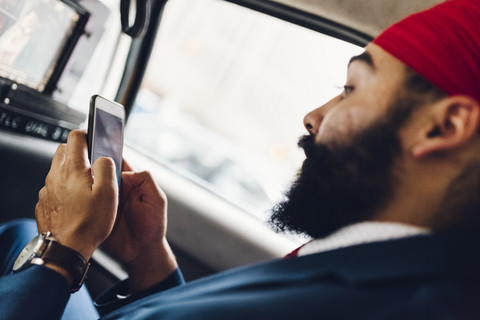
76,208
138,237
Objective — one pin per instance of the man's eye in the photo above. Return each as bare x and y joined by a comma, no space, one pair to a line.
347,90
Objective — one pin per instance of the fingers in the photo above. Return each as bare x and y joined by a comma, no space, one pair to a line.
126,166
76,151
59,156
71,155
42,195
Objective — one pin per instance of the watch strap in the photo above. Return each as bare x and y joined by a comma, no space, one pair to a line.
67,258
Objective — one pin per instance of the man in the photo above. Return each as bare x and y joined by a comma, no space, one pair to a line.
389,190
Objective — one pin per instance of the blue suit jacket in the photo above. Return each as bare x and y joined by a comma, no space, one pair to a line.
423,277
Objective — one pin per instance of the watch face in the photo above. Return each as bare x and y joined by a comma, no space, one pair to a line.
28,253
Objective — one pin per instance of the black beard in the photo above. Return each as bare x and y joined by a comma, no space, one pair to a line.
341,184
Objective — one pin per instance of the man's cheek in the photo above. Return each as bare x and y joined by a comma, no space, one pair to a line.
339,126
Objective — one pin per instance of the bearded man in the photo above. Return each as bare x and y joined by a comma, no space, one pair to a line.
388,190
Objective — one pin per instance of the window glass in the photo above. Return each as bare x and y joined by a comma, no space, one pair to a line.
87,69
224,96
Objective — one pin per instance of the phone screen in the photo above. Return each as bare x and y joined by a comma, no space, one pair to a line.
106,132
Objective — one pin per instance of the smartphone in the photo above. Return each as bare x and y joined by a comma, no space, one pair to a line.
106,121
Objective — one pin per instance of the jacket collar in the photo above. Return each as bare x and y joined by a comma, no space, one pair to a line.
437,255
360,233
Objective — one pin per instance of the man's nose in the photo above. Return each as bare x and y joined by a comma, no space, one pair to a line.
314,118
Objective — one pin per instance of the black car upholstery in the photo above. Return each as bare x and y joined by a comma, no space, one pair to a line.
24,163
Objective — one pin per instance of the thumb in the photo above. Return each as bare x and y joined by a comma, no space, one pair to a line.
105,180
145,185
136,179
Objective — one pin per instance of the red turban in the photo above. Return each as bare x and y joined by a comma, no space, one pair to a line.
442,44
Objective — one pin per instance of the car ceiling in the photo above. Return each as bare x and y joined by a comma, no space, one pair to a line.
367,16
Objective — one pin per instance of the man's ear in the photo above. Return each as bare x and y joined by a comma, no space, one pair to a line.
453,122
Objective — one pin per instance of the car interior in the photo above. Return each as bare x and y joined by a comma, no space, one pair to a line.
214,90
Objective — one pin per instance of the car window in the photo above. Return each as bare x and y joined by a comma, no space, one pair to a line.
224,96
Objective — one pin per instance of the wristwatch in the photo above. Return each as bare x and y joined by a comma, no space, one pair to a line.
45,248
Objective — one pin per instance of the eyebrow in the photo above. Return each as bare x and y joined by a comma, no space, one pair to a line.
364,57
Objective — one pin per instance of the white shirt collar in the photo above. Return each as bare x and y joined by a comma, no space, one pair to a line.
360,233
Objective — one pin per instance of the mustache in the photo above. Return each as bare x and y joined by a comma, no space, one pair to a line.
307,143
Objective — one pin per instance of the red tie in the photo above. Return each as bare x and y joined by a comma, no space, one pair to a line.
294,253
